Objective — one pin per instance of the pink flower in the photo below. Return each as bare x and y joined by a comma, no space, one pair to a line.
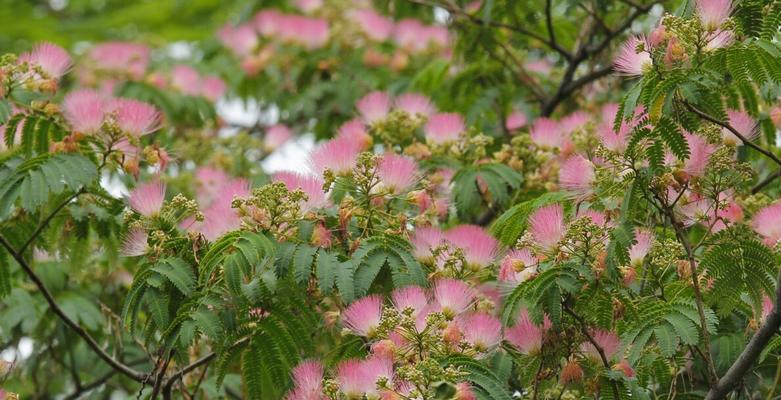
374,107
307,381
576,175
719,39
308,6
267,22
539,66
357,378
397,173
453,296
122,57
377,27
546,133
525,335
276,136
547,226
186,79
213,87
479,247
516,120
410,297
608,341
309,184
52,59
743,123
135,242
147,198
210,180
712,13
424,239
363,316
339,155
483,331
355,131
464,392
414,104
444,127
84,110
767,223
767,307
218,219
518,266
134,117
631,62
700,152
241,40
638,251
574,121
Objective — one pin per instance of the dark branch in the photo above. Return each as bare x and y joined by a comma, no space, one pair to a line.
768,180
590,338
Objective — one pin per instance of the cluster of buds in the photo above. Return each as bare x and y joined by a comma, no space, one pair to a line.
273,208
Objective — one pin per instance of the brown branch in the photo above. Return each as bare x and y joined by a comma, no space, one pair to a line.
590,338
768,180
192,366
48,219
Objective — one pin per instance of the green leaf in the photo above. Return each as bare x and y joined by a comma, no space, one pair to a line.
178,273
327,270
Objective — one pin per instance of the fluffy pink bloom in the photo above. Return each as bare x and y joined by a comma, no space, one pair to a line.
743,123
576,175
767,307
363,316
574,121
276,136
374,106
267,22
453,296
147,198
546,132
483,331
767,223
309,184
396,172
359,377
479,246
608,341
516,120
121,57
84,110
135,242
525,335
186,79
640,249
547,226
700,152
218,219
209,180
377,27
52,59
354,130
629,61
339,155
712,13
596,217
241,40
213,87
411,296
307,381
424,239
135,117
415,103
308,6
464,392
719,39
518,266
309,32
444,127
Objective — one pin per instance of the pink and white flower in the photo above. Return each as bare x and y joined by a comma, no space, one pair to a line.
699,155
515,121
453,296
374,107
413,297
147,198
363,316
309,184
339,155
767,223
357,378
414,104
397,173
641,247
307,381
424,239
713,13
577,176
376,27
525,335
743,123
444,127
50,58
135,243
630,61
608,341
479,246
276,136
481,330
547,227
135,117
546,133
84,109
518,266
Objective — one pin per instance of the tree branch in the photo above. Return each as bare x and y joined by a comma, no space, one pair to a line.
48,219
768,180
590,338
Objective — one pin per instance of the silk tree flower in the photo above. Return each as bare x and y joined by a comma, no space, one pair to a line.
515,121
719,39
413,297
267,22
186,79
339,155
424,239
546,133
307,381
453,296
357,378
241,40
213,87
209,182
363,316
767,223
547,227
218,219
608,341
374,107
518,266
308,6
481,330
767,307
713,13
641,247
743,123
311,185
397,173
135,243
276,136
479,246
121,57
577,176
574,121
700,152
525,335
444,127
50,58
378,28
464,392
311,33
631,62
354,130
134,117
597,217
147,198
84,109
414,104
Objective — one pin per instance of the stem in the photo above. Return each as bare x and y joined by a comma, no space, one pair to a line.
48,219
600,350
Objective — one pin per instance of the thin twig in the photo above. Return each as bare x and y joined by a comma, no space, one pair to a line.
590,338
